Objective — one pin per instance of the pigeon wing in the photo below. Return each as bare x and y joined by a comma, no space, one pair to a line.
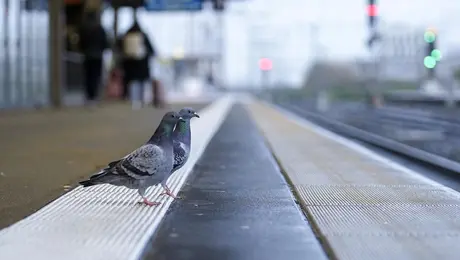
180,155
110,166
143,163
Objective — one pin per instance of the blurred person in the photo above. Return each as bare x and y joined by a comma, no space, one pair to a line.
136,51
93,43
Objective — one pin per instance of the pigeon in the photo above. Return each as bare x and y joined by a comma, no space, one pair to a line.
144,167
181,142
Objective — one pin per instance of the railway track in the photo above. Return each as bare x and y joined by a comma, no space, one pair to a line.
429,139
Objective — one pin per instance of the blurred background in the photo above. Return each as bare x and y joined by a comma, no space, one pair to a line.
298,40
379,65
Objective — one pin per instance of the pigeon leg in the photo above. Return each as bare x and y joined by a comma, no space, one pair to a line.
145,200
167,191
150,203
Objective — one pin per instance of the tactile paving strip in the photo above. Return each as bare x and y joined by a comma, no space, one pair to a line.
374,195
103,222
402,220
363,206
386,247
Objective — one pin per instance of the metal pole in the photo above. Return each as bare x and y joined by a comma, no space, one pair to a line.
191,36
264,79
33,57
56,49
29,41
20,57
419,60
374,82
7,59
208,46
2,72
322,97
220,47
115,27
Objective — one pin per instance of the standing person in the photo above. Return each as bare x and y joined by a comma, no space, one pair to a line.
93,43
136,53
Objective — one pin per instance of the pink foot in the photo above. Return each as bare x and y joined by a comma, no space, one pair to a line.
150,203
169,193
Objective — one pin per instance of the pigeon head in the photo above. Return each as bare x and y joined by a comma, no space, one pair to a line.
165,129
188,113
171,118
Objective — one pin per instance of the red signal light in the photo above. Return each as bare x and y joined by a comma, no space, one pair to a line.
265,64
372,10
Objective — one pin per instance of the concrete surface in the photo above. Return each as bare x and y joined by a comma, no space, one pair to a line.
363,205
236,205
45,153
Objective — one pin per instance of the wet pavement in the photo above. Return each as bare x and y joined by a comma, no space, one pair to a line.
45,153
236,205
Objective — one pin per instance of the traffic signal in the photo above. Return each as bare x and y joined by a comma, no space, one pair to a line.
431,46
429,36
372,12
265,64
433,55
436,54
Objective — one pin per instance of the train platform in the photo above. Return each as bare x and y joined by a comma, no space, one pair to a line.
44,153
362,205
261,183
236,205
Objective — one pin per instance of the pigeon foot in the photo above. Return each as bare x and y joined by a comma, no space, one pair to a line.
169,193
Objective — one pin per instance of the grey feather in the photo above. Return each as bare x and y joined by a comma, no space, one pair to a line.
144,162
146,166
182,138
181,154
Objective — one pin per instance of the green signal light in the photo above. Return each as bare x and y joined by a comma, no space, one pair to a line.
429,36
429,62
436,54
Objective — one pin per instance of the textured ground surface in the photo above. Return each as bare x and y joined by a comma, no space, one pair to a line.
234,208
45,153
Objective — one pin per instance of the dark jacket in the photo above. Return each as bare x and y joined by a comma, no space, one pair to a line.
93,40
136,69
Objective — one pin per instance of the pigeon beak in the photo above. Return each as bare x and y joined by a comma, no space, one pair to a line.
196,115
181,119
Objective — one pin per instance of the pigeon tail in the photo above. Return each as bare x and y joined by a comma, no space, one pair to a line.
94,180
87,183
104,177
